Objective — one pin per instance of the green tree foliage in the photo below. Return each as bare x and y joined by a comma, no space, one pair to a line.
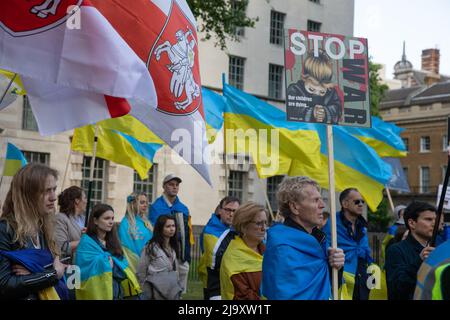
379,220
221,18
377,90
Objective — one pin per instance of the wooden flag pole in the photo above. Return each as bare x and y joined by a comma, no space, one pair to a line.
91,176
66,169
225,145
391,203
332,199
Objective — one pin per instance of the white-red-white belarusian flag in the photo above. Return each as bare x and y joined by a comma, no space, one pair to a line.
163,34
75,66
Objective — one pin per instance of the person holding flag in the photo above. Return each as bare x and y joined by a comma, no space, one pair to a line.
296,262
26,238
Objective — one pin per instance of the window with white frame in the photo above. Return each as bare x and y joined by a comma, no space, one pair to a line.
275,81
314,26
424,179
444,143
276,27
236,184
146,186
239,31
37,157
272,188
406,142
99,181
236,72
425,144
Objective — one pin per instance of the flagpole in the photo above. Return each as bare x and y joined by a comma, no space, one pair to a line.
91,176
7,88
391,203
225,145
266,198
65,171
332,199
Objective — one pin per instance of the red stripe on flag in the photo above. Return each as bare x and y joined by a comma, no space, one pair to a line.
139,24
117,107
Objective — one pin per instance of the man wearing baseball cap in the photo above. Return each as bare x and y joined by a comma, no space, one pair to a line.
169,203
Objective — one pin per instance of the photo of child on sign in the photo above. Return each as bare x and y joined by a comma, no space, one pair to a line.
327,78
314,96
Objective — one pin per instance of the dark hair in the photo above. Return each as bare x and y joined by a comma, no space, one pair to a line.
158,237
344,194
112,238
66,199
228,200
414,209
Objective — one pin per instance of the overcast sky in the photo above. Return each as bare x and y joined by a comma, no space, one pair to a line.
423,24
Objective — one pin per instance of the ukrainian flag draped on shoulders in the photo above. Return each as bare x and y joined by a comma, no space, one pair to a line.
295,266
208,239
353,250
34,260
97,274
133,240
238,258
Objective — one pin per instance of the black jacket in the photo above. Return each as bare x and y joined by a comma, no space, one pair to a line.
20,287
402,264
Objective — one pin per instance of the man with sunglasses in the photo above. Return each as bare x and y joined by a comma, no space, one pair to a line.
213,245
352,237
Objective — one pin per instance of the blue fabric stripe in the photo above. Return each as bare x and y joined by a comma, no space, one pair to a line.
145,149
13,153
214,106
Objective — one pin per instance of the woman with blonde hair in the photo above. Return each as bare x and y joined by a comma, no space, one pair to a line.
26,238
135,229
241,268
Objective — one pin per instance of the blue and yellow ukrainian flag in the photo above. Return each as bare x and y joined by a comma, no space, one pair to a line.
303,148
96,272
14,160
133,241
214,106
123,140
383,137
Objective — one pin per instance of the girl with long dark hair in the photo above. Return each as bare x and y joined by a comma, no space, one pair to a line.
158,269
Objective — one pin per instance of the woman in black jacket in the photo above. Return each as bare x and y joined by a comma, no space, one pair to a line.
26,237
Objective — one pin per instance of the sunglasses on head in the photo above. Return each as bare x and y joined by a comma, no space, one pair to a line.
359,201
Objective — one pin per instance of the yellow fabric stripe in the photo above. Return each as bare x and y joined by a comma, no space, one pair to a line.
11,167
237,258
132,258
131,284
209,242
299,146
48,294
96,288
381,148
436,293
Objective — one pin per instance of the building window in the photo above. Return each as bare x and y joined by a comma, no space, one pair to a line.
406,142
444,143
444,170
424,179
146,186
276,27
405,171
99,182
314,26
37,157
275,81
235,4
272,188
28,119
424,144
236,72
236,184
